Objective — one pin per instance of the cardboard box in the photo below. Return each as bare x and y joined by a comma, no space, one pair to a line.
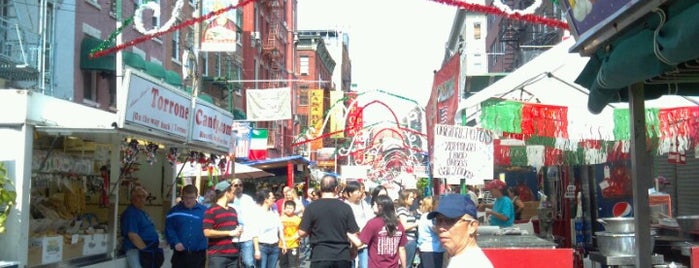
94,244
44,250
72,251
529,210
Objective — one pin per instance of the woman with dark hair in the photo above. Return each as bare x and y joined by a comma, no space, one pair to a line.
378,190
384,236
517,203
269,231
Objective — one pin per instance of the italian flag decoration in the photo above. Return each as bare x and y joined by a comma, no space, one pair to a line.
258,144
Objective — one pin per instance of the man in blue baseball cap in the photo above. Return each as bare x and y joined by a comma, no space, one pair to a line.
456,223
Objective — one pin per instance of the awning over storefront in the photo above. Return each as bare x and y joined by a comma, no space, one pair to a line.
154,69
242,171
134,60
660,51
173,78
106,63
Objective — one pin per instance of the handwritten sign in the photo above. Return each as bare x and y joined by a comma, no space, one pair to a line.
462,152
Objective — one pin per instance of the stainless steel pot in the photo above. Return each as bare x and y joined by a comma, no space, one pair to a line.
613,244
618,225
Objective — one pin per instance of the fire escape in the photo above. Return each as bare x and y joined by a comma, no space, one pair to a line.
273,45
19,46
509,36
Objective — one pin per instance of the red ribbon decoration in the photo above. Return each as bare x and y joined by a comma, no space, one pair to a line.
186,23
496,11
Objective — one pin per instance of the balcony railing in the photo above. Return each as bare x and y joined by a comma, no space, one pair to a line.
19,52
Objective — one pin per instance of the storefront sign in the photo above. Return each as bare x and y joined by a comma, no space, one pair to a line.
593,22
463,152
154,106
212,125
241,131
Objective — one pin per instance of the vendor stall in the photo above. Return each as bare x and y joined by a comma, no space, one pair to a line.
73,166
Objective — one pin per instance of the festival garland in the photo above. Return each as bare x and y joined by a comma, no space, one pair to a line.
184,24
499,12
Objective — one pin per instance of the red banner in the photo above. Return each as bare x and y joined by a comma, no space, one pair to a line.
545,120
444,99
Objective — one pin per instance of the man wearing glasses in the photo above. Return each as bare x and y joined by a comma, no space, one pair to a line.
245,206
456,223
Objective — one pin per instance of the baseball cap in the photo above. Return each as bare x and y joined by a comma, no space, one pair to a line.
222,185
454,206
495,184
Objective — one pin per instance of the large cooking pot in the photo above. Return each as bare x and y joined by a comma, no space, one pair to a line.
613,244
618,225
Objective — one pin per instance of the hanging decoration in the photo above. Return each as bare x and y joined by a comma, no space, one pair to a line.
130,150
161,31
151,153
172,155
112,37
499,12
505,8
155,6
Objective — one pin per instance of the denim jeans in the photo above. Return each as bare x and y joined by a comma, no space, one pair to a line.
362,260
247,254
132,258
410,249
269,256
216,261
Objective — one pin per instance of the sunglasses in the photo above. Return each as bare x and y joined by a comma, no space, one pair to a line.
447,222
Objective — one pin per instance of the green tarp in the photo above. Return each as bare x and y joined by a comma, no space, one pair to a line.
173,78
155,70
635,56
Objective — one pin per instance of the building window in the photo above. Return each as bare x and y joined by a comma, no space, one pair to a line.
176,44
204,64
303,120
238,76
303,96
90,87
477,30
304,65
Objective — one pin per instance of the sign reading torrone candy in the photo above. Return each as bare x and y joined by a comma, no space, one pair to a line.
212,125
153,106
463,152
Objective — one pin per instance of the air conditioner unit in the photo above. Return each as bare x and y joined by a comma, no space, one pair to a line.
255,35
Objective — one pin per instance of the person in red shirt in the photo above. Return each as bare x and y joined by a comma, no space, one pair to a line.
220,226
384,236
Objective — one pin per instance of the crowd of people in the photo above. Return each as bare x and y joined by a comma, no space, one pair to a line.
335,225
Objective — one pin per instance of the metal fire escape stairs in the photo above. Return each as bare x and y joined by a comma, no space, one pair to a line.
509,35
273,45
20,47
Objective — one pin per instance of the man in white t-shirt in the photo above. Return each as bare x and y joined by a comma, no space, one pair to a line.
244,205
456,224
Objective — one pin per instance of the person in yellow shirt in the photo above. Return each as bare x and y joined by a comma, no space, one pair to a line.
290,223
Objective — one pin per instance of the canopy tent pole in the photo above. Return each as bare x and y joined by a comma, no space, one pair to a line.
640,172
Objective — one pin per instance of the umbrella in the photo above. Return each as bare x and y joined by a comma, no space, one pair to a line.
242,171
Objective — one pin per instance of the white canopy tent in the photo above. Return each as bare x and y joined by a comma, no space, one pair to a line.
549,79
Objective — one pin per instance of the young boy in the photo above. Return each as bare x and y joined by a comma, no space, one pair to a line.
290,222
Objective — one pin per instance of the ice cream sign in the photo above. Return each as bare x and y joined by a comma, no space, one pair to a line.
211,125
154,107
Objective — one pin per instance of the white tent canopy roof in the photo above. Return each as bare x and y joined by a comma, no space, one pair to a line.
549,79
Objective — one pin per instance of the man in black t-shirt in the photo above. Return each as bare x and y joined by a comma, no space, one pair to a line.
329,221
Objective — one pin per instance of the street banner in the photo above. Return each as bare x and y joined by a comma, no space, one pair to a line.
336,114
462,152
315,119
241,134
220,33
444,99
268,104
258,144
